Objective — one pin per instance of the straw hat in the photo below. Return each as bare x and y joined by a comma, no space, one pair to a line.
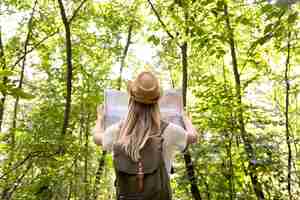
145,88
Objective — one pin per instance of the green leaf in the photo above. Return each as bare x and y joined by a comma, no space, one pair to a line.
261,41
155,40
220,5
17,92
4,147
292,18
268,28
5,72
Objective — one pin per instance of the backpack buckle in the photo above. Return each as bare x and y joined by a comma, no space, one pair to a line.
140,176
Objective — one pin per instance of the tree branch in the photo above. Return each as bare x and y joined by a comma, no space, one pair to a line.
30,156
124,55
2,55
76,11
18,182
160,20
33,48
63,12
22,70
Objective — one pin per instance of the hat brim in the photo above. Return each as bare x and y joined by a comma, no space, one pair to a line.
134,92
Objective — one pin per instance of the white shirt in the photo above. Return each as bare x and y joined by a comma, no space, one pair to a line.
175,139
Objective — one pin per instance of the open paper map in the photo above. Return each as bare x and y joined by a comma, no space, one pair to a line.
116,106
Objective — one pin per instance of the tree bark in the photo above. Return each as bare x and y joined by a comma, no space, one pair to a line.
257,187
69,72
286,113
184,71
98,174
4,81
87,128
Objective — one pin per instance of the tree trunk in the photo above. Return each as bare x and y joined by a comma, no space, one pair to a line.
287,131
257,187
69,68
184,71
98,174
87,128
187,156
4,81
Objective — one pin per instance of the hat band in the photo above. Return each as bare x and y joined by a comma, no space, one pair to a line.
144,100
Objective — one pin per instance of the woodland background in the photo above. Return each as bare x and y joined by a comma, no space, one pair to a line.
237,62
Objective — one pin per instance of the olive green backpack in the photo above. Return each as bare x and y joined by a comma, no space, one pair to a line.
147,179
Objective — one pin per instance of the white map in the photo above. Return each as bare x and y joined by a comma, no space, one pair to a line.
116,106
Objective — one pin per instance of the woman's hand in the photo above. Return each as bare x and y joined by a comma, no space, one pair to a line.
100,112
192,136
99,125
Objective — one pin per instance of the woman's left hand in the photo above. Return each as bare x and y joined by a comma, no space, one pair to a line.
100,112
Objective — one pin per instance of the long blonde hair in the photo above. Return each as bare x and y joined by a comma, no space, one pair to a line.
142,122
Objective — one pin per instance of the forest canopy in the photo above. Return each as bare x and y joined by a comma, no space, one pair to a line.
237,63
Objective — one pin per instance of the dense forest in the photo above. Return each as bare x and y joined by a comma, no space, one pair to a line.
237,63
